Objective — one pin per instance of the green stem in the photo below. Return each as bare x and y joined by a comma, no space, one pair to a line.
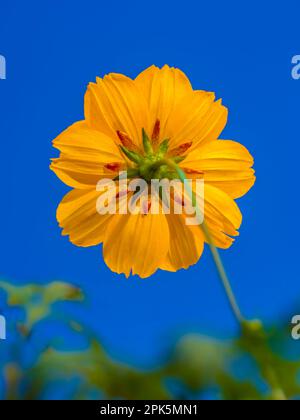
223,275
214,251
253,326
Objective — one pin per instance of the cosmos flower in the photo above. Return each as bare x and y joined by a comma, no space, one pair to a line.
130,125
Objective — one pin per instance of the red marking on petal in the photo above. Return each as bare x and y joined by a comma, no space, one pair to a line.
179,199
146,206
121,193
180,150
156,131
126,140
193,171
115,166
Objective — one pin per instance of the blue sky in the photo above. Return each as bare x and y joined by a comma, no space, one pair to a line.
243,52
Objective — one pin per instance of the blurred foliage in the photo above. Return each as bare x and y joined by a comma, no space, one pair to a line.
37,300
256,366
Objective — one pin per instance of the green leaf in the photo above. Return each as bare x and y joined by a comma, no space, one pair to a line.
164,146
197,361
97,370
279,373
133,156
146,143
37,300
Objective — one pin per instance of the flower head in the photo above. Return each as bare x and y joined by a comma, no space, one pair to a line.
138,126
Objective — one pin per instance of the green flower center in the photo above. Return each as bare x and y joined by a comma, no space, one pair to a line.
152,164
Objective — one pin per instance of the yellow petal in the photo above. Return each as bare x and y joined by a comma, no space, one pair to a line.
184,115
163,89
84,155
221,215
78,217
196,118
115,103
226,164
136,243
186,244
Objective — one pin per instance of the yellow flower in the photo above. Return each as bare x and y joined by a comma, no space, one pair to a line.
161,104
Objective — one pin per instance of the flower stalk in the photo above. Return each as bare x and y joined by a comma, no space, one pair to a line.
214,251
250,329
